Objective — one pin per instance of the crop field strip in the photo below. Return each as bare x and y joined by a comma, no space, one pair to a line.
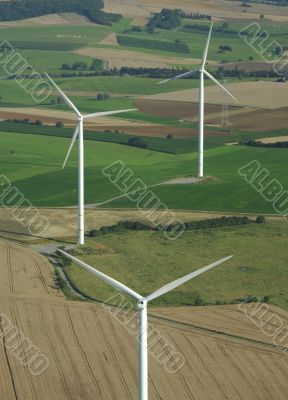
64,46
152,44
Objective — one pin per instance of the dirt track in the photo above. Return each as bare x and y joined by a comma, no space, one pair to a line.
91,355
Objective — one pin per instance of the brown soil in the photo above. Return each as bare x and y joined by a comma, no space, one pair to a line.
245,118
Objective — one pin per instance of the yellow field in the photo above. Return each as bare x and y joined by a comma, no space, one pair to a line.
274,139
50,19
92,355
128,58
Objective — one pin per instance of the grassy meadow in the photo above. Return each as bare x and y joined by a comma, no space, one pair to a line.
124,256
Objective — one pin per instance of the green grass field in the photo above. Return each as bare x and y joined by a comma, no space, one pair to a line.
13,95
31,161
125,258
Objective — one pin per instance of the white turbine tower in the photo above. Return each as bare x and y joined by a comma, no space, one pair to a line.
142,312
79,133
202,72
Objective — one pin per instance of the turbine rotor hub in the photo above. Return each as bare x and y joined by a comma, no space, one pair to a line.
142,304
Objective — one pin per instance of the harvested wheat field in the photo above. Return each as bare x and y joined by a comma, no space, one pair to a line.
259,94
128,58
49,20
92,355
239,320
216,8
275,139
110,39
68,118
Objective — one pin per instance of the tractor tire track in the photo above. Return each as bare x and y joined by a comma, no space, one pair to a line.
112,353
27,372
180,375
10,269
205,367
54,353
8,362
82,351
240,372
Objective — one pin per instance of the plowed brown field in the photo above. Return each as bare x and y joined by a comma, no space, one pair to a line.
92,355
244,118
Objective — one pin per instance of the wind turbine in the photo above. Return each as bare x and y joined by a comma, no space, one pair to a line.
79,133
142,312
202,72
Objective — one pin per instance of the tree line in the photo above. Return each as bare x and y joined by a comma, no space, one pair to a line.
21,9
211,223
83,66
258,143
156,73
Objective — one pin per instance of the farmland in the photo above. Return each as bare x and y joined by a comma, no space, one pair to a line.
57,324
92,350
219,9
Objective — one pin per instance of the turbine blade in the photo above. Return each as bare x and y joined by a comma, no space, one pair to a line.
104,113
112,282
67,101
205,54
185,75
181,281
74,137
219,84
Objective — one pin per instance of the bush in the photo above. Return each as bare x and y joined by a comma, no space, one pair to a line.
103,96
260,219
198,301
136,29
266,299
224,47
94,233
137,142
